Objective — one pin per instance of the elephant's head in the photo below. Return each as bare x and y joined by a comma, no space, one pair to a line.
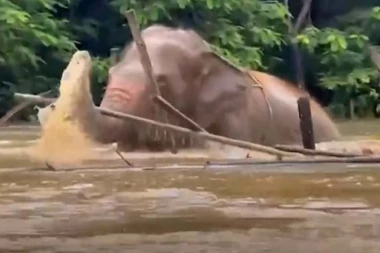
190,76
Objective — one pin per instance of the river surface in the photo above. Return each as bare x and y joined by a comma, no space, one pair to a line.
188,211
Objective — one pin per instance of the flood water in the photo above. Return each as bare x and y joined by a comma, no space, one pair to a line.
188,211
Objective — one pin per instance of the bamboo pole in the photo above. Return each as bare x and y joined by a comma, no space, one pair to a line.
141,46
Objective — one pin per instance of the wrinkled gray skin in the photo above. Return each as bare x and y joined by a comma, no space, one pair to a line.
219,97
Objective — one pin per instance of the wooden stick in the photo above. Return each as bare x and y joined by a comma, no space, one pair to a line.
314,152
123,158
217,138
306,122
18,108
33,99
168,107
141,46
248,161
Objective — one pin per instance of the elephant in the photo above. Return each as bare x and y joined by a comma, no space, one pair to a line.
223,99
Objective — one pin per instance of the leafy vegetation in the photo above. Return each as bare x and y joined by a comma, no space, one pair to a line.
38,36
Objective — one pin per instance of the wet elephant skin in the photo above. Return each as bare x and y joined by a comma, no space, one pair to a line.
218,96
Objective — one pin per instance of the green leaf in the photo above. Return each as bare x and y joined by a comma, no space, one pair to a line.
210,4
334,46
342,42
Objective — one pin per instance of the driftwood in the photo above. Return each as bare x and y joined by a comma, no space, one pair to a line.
235,162
141,46
17,108
208,136
314,152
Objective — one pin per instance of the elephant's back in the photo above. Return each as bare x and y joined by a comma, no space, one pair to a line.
283,97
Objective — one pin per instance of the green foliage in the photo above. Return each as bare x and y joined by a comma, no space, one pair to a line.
343,57
30,35
99,77
243,31
31,38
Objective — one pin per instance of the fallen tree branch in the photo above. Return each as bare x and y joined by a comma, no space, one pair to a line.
361,159
141,46
12,112
314,152
123,158
208,136
33,99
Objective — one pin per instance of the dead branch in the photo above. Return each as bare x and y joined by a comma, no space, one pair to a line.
208,136
12,112
248,161
123,158
141,46
33,99
314,152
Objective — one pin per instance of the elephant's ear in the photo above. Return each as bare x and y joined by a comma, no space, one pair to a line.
222,88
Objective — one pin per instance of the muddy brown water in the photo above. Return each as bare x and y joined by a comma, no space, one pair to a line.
262,210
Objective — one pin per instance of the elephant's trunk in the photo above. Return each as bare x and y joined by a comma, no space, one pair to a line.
107,128
132,95
126,96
